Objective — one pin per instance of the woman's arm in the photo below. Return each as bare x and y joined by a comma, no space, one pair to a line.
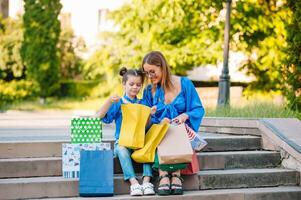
105,107
194,108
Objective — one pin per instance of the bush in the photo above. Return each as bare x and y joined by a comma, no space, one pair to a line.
15,91
71,88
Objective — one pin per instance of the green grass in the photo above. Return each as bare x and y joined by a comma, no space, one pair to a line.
59,104
247,108
256,110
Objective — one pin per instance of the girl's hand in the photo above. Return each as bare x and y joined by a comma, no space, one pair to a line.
165,120
153,110
181,118
114,98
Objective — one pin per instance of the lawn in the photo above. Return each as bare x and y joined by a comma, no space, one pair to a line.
248,108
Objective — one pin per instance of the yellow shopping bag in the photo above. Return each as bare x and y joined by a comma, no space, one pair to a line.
134,119
152,139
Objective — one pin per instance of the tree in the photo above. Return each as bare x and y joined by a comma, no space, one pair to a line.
292,68
258,30
190,34
39,48
187,32
11,66
71,64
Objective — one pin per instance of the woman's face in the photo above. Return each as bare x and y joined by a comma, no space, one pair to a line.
132,86
153,72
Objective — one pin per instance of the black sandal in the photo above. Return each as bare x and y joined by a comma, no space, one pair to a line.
164,192
178,189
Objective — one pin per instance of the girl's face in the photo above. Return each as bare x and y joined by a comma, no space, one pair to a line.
153,72
132,86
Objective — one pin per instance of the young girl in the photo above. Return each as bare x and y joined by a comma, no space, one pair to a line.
132,81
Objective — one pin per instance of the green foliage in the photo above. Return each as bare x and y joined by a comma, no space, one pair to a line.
258,30
292,68
14,91
11,33
73,88
39,48
71,64
190,33
187,32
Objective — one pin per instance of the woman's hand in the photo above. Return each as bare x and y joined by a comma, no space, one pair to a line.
165,120
153,110
181,118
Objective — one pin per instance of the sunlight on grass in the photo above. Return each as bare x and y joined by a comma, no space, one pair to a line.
60,104
256,106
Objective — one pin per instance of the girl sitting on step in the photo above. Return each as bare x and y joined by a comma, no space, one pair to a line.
132,80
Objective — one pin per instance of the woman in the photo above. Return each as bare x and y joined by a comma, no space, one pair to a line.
176,100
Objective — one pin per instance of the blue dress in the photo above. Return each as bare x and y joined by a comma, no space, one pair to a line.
187,101
114,113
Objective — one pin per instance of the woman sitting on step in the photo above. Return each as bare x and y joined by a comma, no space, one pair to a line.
176,100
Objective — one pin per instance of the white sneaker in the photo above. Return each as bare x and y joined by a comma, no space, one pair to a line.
148,189
136,190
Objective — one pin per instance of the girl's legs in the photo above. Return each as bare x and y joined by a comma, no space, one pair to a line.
147,172
124,156
148,187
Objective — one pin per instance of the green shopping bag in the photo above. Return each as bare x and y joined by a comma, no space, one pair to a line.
86,130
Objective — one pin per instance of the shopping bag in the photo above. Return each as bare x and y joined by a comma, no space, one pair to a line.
132,131
193,167
175,146
71,157
96,173
152,139
197,143
86,130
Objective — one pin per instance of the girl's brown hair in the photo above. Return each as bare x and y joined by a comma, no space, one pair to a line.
157,58
124,72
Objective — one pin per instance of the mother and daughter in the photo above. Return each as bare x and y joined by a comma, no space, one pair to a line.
172,99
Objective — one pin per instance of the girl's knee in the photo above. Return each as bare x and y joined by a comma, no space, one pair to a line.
122,151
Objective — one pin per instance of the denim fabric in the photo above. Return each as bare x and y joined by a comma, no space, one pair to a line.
124,155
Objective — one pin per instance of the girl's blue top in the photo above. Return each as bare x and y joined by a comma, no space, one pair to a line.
114,113
187,101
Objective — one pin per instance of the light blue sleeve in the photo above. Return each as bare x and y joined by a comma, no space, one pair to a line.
112,113
194,107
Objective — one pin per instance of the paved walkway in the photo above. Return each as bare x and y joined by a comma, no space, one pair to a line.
41,125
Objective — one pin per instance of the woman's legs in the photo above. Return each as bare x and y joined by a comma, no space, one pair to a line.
176,183
174,179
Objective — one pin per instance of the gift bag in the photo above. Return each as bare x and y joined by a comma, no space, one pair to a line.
96,173
197,143
86,130
152,139
175,146
71,157
193,167
132,131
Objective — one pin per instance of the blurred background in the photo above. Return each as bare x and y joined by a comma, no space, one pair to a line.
66,55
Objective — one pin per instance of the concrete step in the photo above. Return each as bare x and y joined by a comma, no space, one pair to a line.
52,166
39,187
49,147
266,193
244,178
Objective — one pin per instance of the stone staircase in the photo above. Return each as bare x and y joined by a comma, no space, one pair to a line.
233,166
